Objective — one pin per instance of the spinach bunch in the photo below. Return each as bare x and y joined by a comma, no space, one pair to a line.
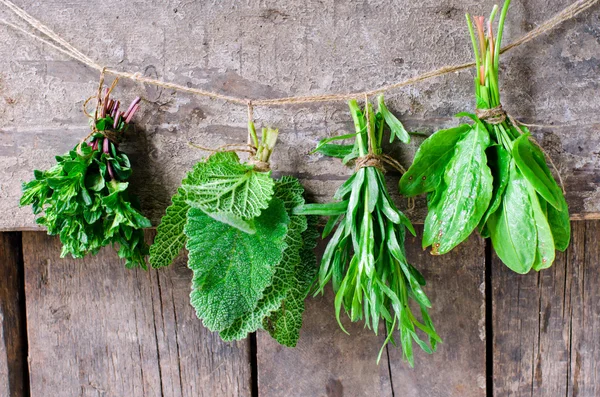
490,176
84,198
365,259
252,258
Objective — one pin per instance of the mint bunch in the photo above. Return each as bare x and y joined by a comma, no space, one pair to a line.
252,258
84,198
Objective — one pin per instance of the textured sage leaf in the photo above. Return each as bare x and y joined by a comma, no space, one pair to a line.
430,161
223,185
512,227
545,251
290,192
536,173
232,269
465,197
170,238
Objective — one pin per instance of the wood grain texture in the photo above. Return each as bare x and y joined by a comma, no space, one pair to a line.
96,328
546,325
13,347
456,288
278,48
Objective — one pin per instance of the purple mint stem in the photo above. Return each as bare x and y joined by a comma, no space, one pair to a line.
110,171
109,108
132,112
116,122
95,145
115,109
105,146
133,103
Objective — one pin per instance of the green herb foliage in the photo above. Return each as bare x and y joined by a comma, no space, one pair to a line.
251,257
365,259
84,198
490,176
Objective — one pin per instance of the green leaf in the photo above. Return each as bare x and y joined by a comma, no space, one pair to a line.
465,197
325,209
396,127
545,252
430,161
560,224
512,227
325,141
284,324
170,238
339,151
223,185
536,172
231,268
499,163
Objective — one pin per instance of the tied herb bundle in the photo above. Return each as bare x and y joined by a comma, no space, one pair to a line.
84,197
365,259
490,175
252,259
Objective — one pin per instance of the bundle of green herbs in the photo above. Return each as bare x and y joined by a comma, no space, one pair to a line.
84,198
252,259
365,259
490,175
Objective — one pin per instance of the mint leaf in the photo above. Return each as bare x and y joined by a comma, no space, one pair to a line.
223,185
231,268
170,238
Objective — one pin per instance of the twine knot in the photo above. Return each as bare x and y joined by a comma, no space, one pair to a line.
495,115
370,160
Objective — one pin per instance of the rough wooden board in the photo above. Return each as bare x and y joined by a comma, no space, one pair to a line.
455,286
545,325
96,328
278,48
326,361
13,348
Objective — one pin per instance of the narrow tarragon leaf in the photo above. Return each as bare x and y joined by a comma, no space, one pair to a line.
512,227
232,268
467,195
284,324
290,191
170,238
223,185
430,161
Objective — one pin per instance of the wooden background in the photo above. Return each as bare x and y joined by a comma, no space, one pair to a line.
92,328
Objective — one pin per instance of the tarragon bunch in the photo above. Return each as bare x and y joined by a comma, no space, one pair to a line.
365,259
252,259
490,176
84,198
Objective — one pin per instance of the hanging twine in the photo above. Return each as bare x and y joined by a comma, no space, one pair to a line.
498,115
65,47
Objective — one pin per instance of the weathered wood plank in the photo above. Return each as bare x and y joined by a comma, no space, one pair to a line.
96,328
270,50
13,347
456,288
546,324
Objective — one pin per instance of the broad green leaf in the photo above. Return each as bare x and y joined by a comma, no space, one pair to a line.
536,173
430,161
560,224
466,196
545,252
284,324
512,227
223,185
499,163
290,192
170,238
231,268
